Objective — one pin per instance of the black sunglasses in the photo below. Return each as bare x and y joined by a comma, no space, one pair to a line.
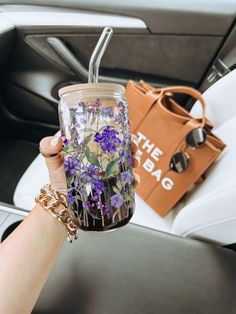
194,139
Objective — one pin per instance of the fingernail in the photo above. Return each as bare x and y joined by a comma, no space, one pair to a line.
138,158
135,142
54,141
138,179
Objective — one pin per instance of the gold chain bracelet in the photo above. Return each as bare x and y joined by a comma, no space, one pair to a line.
56,204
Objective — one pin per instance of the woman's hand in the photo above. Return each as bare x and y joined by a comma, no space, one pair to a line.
53,145
39,230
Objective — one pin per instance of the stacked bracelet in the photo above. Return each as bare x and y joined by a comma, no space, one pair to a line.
56,203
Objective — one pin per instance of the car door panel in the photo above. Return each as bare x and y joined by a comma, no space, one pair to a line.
151,41
186,59
193,17
181,58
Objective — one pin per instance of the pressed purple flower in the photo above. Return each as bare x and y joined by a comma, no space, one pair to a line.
90,173
98,186
130,160
64,139
120,162
94,108
107,112
122,153
98,102
73,109
82,121
86,205
120,106
118,118
127,138
97,137
82,105
95,196
66,142
99,205
117,200
123,190
71,165
73,120
108,139
82,191
126,177
70,196
105,209
71,199
77,139
79,147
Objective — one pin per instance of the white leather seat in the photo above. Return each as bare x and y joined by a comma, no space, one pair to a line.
209,212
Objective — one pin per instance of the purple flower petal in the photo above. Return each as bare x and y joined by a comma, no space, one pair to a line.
117,200
126,177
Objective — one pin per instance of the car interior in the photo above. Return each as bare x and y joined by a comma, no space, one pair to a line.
182,263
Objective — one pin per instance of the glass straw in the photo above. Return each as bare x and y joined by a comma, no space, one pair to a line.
98,53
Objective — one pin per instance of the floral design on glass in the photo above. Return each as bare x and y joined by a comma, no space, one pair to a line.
98,163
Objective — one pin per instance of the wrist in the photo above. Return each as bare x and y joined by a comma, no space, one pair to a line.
55,226
56,204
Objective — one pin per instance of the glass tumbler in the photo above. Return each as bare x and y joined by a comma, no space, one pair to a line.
97,155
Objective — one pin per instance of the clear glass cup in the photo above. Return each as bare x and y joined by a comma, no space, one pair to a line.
97,155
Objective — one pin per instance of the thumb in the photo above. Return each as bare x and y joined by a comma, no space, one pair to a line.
52,145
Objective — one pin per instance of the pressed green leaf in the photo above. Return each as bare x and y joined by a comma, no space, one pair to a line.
119,184
112,167
87,139
94,120
114,188
88,130
127,197
91,157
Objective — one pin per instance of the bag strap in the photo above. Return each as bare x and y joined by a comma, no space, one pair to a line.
176,90
189,91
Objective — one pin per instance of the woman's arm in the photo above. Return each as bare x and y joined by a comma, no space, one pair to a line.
28,254
26,258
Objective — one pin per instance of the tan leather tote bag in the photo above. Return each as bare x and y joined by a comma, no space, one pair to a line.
176,148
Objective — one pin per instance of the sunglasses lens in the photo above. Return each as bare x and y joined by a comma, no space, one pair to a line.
179,162
196,137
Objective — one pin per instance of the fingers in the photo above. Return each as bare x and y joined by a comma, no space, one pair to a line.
136,160
136,180
53,145
134,144
134,149
136,154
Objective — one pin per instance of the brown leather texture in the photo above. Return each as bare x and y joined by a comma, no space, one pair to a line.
161,126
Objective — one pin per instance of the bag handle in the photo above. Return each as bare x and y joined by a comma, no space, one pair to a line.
189,91
177,90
